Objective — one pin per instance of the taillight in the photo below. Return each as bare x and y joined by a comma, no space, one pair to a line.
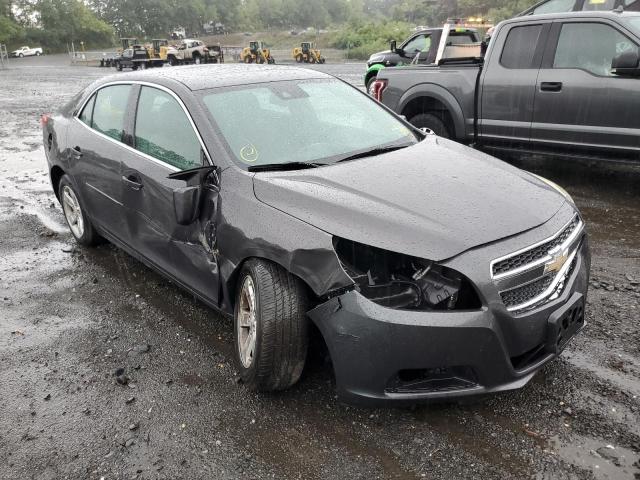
377,88
44,119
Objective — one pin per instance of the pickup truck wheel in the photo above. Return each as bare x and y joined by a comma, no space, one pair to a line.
270,326
197,60
21,55
37,54
74,214
432,122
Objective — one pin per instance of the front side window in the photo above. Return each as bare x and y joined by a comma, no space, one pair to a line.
301,121
109,110
87,111
163,130
520,47
591,47
420,43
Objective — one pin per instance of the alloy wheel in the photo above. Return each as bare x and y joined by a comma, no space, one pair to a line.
247,322
72,211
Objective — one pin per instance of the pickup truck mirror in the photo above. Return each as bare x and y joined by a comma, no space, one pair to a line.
392,46
626,64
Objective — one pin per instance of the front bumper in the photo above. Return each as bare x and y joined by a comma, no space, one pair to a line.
383,355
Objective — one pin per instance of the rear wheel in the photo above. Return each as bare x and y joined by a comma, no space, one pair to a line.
197,60
21,55
79,224
119,67
37,54
143,66
432,122
270,326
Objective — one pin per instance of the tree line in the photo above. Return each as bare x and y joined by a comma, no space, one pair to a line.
56,23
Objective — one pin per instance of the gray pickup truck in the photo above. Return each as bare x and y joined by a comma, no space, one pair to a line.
565,83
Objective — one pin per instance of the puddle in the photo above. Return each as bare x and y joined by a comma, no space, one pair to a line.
605,461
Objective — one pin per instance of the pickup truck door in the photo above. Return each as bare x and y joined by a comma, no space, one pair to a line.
579,103
508,83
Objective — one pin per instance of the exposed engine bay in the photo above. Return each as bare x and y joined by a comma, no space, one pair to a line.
400,281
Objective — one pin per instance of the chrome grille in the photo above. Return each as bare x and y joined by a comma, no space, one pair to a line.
523,294
536,253
535,275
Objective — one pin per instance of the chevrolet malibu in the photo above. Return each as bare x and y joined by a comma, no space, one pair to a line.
285,198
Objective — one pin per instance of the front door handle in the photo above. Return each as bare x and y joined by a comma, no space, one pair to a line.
77,153
550,86
132,182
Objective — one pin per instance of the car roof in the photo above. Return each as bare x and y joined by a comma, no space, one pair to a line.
580,14
201,77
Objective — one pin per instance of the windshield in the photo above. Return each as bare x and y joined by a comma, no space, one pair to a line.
318,121
633,23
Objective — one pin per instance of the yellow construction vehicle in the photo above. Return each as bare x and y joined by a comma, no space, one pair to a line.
127,43
158,49
256,52
307,53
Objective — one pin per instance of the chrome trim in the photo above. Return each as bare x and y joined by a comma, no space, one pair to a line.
152,85
536,263
549,290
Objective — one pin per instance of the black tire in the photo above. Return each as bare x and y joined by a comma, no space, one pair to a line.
197,60
281,330
432,122
299,58
248,59
21,55
89,235
173,61
37,54
272,61
119,67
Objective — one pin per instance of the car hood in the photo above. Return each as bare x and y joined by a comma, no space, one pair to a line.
433,200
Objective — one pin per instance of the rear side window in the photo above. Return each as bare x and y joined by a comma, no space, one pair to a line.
163,130
520,47
109,110
591,47
87,111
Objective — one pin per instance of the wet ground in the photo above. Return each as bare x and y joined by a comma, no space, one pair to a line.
70,317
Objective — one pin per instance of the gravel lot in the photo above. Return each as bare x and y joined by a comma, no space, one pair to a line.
70,317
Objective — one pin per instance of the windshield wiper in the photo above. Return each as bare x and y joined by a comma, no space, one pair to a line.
373,152
270,167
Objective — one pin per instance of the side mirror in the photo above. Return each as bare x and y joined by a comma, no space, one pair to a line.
626,64
392,46
187,200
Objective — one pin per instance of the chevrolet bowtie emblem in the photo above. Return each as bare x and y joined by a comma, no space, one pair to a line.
556,263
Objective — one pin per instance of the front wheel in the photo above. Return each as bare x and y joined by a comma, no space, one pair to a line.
270,326
21,55
432,122
299,58
79,224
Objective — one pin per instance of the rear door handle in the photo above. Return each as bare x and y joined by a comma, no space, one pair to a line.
550,86
132,182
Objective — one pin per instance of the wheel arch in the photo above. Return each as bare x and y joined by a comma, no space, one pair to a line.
372,71
427,98
56,174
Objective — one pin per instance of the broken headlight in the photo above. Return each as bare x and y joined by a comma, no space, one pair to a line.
400,281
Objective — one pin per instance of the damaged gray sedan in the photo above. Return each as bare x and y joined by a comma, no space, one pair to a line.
284,197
